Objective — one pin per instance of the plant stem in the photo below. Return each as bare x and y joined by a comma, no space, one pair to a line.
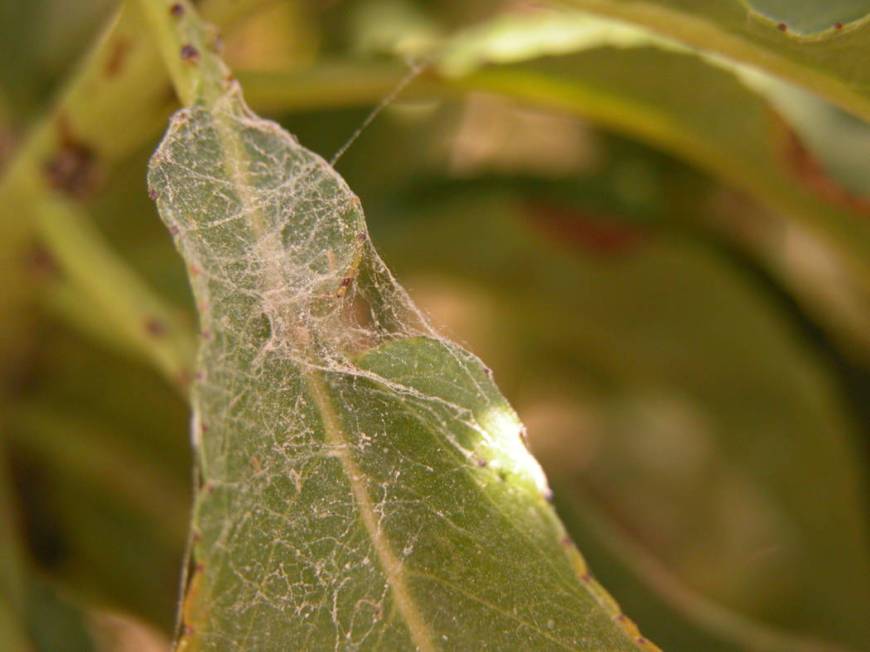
118,99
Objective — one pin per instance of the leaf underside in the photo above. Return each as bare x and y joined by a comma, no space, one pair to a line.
364,485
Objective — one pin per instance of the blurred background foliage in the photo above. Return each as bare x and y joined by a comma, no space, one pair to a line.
664,257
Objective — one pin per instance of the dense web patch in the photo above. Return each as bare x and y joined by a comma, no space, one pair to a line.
364,485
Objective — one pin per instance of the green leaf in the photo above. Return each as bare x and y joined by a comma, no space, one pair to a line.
12,582
814,44
104,467
705,423
709,116
809,17
809,230
363,482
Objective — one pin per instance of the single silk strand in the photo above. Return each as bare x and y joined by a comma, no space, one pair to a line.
416,67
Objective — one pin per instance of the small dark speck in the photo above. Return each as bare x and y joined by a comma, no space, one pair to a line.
620,618
199,567
152,194
586,577
189,53
73,168
204,427
641,640
838,25
173,230
41,262
480,462
177,10
782,27
155,327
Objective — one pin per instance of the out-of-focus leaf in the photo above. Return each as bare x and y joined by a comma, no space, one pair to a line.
670,320
767,34
39,41
682,618
56,623
678,102
124,303
12,588
32,616
808,17
103,472
363,481
813,233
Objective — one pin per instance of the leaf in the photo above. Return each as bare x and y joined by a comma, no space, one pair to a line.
673,321
684,619
12,582
709,117
363,482
788,39
809,231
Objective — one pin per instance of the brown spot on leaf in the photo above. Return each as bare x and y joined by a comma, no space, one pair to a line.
177,10
808,169
597,234
118,51
154,327
72,170
184,378
343,286
782,27
40,262
189,53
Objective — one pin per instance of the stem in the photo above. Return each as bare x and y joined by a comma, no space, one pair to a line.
135,313
188,50
105,112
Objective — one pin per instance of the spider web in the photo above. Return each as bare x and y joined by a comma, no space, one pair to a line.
363,483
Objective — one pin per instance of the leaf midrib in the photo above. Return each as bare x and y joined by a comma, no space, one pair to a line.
334,433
